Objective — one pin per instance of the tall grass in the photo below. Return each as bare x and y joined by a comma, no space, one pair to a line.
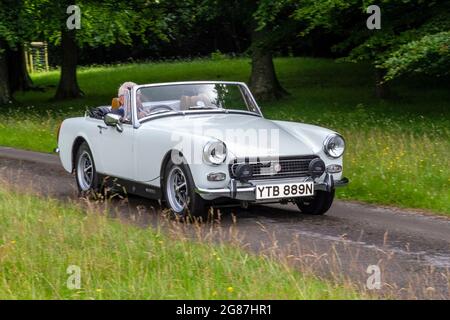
40,239
392,158
398,149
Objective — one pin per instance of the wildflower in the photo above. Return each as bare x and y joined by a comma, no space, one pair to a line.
99,290
13,242
230,289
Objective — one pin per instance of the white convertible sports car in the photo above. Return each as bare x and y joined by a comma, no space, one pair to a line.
194,145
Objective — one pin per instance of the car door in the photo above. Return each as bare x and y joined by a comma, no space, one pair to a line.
151,147
117,151
117,148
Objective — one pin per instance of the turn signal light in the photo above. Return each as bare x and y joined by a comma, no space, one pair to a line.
216,176
334,168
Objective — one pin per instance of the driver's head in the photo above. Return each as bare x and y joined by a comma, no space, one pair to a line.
123,91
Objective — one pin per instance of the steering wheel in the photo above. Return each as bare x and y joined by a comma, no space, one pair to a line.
161,106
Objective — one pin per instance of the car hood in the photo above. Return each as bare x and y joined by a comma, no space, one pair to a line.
245,135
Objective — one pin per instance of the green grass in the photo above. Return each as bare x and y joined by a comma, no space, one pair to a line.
398,149
40,239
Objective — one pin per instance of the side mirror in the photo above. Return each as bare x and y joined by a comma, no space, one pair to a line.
113,120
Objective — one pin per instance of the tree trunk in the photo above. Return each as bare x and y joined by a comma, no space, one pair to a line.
263,79
381,88
5,92
68,85
19,79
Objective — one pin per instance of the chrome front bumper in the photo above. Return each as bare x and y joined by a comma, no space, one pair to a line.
247,193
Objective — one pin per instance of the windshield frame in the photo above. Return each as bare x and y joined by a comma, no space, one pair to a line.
242,85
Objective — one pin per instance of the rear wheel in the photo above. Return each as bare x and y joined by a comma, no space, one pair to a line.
85,172
179,192
317,205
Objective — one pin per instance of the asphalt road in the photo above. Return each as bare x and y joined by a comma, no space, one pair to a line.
411,249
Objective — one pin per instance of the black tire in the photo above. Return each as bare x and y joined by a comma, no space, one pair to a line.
88,184
318,205
195,205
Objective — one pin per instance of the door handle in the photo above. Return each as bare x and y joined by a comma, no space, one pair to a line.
100,128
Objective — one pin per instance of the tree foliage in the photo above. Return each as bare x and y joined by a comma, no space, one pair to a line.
429,55
414,34
266,31
103,22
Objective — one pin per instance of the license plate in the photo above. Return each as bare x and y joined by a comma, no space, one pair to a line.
285,190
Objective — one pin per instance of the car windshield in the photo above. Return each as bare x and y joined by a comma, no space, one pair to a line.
192,97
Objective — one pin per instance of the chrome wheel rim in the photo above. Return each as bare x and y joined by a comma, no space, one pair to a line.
85,171
177,189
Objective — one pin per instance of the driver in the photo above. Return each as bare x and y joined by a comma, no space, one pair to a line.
124,110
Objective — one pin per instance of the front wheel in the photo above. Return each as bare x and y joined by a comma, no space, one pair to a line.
179,192
85,172
317,205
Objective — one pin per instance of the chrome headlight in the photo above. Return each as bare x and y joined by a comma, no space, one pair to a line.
334,146
215,152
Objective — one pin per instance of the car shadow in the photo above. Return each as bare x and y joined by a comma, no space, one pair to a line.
145,212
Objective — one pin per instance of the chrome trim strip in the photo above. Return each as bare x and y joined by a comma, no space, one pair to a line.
228,192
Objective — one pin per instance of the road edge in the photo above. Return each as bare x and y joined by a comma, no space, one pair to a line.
53,159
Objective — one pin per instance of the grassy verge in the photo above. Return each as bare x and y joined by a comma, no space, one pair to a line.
40,239
398,149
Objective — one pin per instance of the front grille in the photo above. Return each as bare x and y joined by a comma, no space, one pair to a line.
290,167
